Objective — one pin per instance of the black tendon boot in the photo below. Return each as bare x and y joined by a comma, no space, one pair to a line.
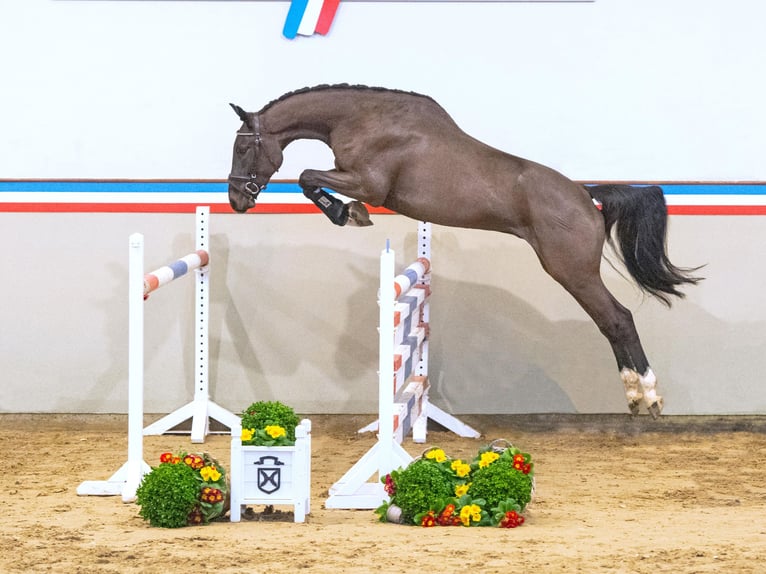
332,207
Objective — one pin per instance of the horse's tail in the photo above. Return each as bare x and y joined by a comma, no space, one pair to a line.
641,217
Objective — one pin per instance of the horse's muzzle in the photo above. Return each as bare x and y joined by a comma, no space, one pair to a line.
242,199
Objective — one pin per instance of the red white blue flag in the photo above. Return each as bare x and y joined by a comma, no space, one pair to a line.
309,17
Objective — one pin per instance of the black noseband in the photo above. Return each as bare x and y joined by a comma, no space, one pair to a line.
251,187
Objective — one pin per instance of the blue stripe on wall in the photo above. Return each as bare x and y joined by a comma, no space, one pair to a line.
293,187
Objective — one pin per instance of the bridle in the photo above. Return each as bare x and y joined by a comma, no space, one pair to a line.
252,187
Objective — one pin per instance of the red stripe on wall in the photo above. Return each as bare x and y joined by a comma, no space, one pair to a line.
716,209
286,208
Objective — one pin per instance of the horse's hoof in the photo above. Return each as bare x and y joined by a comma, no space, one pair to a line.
358,214
655,409
632,383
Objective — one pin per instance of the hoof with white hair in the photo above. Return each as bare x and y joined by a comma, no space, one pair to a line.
632,382
652,400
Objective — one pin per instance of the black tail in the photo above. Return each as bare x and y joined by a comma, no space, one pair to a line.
641,217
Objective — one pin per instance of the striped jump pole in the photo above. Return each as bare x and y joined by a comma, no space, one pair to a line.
167,273
403,403
140,284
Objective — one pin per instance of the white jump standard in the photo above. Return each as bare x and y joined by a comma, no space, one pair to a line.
402,379
140,284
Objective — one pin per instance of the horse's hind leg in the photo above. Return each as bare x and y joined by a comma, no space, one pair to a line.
616,323
575,264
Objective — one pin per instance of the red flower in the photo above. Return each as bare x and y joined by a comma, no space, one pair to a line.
518,458
512,519
428,520
389,486
526,468
211,495
166,457
195,516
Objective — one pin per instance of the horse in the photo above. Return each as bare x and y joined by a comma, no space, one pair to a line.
403,151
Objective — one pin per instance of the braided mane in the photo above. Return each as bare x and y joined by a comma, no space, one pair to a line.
324,87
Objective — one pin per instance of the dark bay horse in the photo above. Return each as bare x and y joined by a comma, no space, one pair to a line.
403,151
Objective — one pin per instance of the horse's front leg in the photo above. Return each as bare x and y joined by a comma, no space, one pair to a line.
355,213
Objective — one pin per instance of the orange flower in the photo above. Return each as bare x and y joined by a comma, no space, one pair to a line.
448,510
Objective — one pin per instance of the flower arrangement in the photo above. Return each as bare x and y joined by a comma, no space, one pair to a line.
269,423
185,489
493,489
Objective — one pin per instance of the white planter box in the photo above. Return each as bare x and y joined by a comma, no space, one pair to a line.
279,475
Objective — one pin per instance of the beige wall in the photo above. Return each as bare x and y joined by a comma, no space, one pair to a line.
293,318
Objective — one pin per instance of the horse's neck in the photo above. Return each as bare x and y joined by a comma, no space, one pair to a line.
292,120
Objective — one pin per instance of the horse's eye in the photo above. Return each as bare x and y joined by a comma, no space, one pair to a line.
241,150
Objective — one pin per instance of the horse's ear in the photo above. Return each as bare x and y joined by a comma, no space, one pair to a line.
241,113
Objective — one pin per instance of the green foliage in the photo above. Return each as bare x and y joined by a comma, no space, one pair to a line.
421,486
500,481
261,414
435,490
168,495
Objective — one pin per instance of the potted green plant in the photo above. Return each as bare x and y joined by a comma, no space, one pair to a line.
271,460
268,423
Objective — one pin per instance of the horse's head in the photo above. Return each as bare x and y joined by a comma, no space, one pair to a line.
256,157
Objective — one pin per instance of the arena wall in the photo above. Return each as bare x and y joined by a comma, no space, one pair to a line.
625,90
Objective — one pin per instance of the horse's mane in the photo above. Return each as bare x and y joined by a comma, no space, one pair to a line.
324,87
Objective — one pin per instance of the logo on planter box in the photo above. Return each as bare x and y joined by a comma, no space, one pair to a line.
269,477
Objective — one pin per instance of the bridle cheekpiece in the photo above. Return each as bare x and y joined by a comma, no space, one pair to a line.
252,187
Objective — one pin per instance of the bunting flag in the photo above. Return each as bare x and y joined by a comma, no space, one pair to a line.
309,17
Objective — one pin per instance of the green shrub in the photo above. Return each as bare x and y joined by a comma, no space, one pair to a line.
261,414
168,495
500,481
423,485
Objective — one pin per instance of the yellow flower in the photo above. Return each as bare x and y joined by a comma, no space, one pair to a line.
436,454
488,458
462,489
461,469
275,431
209,474
247,434
470,512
